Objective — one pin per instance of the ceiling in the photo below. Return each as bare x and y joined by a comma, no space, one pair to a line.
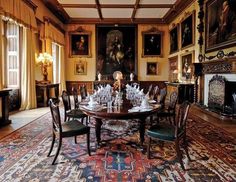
115,11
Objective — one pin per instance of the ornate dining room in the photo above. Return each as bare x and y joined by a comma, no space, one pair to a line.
128,90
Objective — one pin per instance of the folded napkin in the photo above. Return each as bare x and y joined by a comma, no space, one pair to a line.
94,108
140,109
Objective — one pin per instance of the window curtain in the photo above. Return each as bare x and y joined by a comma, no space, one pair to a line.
62,69
28,92
19,11
1,51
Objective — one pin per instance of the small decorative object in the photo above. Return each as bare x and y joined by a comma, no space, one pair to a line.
80,68
99,76
175,76
131,77
45,60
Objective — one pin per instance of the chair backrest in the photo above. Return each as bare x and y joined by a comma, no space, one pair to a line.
163,93
66,100
183,111
56,119
76,99
173,101
83,92
155,92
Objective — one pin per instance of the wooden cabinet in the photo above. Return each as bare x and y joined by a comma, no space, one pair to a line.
4,95
46,91
185,91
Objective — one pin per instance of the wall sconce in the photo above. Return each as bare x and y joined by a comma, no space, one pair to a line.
44,60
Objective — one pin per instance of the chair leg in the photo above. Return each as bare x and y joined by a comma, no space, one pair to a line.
53,141
185,145
148,147
75,140
179,155
58,150
88,143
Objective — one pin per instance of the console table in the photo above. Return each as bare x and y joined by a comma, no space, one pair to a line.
43,93
4,95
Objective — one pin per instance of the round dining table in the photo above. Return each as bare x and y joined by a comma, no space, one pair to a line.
120,112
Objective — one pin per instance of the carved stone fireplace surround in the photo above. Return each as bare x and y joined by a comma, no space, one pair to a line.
222,67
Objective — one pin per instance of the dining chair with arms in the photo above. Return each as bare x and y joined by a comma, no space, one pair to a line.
68,112
71,128
172,132
169,111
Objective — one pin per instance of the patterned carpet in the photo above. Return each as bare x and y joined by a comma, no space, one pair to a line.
23,156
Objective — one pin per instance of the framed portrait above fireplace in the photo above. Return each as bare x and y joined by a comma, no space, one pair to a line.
116,50
220,24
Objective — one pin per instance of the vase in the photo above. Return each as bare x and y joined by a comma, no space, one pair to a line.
131,77
99,77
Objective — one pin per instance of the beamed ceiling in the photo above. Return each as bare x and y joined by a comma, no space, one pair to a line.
116,11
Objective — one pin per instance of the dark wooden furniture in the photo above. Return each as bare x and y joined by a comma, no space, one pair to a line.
120,112
4,95
70,128
44,93
185,91
70,113
172,133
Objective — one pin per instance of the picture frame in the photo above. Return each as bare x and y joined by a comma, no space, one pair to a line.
173,65
152,43
220,25
174,42
187,64
152,68
187,30
79,44
80,68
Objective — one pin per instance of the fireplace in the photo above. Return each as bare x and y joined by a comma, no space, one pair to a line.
219,85
221,95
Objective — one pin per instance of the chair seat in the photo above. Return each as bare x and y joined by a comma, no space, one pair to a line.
73,128
165,113
76,113
162,131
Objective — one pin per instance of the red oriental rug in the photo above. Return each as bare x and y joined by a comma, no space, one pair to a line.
23,156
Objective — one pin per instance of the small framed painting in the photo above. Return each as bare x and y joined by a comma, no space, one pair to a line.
152,68
187,31
174,40
187,64
80,68
79,45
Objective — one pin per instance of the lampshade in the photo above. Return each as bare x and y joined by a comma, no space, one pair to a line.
44,58
175,71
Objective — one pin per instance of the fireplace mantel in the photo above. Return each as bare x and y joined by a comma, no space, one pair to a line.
226,65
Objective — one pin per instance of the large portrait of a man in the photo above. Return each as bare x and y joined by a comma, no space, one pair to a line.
220,24
152,44
187,31
79,44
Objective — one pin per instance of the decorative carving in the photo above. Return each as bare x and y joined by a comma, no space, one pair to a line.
200,28
223,67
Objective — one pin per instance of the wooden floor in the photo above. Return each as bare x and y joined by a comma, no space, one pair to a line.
195,112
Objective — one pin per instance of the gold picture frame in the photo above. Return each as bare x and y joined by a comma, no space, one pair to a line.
79,44
80,68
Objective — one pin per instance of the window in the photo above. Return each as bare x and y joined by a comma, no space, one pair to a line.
12,56
56,62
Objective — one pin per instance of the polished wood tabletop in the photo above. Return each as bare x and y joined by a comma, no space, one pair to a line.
118,112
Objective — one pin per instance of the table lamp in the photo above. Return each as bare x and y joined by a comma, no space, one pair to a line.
44,60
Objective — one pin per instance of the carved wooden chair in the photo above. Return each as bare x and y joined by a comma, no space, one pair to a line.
71,113
172,132
169,111
71,128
